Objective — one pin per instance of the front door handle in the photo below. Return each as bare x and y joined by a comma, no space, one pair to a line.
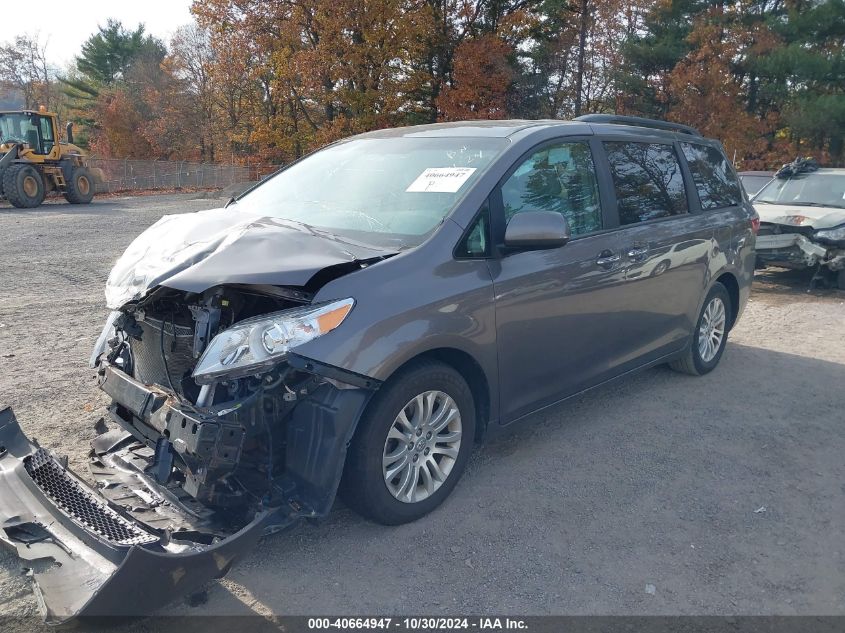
606,259
638,253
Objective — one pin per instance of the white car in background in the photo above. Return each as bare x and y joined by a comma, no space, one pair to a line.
802,220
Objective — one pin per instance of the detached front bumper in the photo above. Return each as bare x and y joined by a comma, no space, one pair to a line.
132,545
793,250
86,556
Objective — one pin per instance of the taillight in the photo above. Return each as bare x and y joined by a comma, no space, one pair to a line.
755,225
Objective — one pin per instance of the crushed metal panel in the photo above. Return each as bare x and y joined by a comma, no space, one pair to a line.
785,240
195,251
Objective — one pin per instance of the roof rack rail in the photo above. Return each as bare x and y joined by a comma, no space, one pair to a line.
638,121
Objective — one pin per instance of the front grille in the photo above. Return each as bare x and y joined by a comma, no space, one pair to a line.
147,353
87,509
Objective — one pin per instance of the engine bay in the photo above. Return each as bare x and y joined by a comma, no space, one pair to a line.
209,450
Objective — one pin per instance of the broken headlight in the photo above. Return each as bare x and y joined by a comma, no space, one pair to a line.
256,344
102,343
836,234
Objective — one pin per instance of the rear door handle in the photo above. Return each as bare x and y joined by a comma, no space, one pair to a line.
638,252
606,259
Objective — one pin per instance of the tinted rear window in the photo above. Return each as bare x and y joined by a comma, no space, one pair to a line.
714,179
648,181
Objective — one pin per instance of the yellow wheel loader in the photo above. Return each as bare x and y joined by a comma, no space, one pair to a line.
34,162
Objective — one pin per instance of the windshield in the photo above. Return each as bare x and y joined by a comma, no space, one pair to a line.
22,128
381,191
815,189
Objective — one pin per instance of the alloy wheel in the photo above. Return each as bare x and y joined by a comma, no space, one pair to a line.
422,446
711,329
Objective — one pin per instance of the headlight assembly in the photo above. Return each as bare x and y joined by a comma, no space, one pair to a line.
250,346
836,234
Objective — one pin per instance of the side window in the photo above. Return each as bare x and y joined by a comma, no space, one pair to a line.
648,181
477,241
714,179
46,134
559,178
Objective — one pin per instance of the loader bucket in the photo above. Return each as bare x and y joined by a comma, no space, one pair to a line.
88,558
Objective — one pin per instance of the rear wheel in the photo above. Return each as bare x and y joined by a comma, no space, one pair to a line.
840,279
80,186
23,186
710,335
411,446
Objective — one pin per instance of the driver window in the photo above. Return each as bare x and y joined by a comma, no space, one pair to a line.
47,135
560,178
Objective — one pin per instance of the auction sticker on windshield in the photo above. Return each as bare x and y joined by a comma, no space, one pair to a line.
441,179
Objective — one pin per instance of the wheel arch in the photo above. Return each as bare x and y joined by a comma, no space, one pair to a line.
730,282
469,368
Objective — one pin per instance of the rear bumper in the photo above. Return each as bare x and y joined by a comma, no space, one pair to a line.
89,558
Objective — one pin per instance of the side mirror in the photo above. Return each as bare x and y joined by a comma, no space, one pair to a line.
535,230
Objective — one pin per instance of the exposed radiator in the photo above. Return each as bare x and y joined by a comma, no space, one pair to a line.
147,353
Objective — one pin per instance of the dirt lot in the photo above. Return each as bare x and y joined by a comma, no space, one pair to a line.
660,480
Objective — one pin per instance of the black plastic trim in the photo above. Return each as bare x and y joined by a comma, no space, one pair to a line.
334,373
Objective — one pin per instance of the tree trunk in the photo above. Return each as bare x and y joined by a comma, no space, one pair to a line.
582,50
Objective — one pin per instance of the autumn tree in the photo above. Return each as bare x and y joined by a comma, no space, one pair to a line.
321,70
269,80
193,60
24,70
708,90
482,76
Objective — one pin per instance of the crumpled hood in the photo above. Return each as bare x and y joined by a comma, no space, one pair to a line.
815,217
196,251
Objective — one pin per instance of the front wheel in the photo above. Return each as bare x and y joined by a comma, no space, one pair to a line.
80,186
710,335
411,446
23,186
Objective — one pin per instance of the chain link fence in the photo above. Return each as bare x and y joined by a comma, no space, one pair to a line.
127,175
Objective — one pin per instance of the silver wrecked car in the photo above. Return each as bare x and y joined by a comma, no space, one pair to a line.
357,322
802,220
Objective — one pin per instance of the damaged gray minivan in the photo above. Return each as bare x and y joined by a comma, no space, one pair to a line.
357,322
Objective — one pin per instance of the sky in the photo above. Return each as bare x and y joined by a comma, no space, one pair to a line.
66,25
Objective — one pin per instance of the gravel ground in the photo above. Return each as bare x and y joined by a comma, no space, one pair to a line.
658,480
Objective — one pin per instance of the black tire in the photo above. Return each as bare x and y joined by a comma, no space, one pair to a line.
80,186
23,186
364,487
840,279
692,362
